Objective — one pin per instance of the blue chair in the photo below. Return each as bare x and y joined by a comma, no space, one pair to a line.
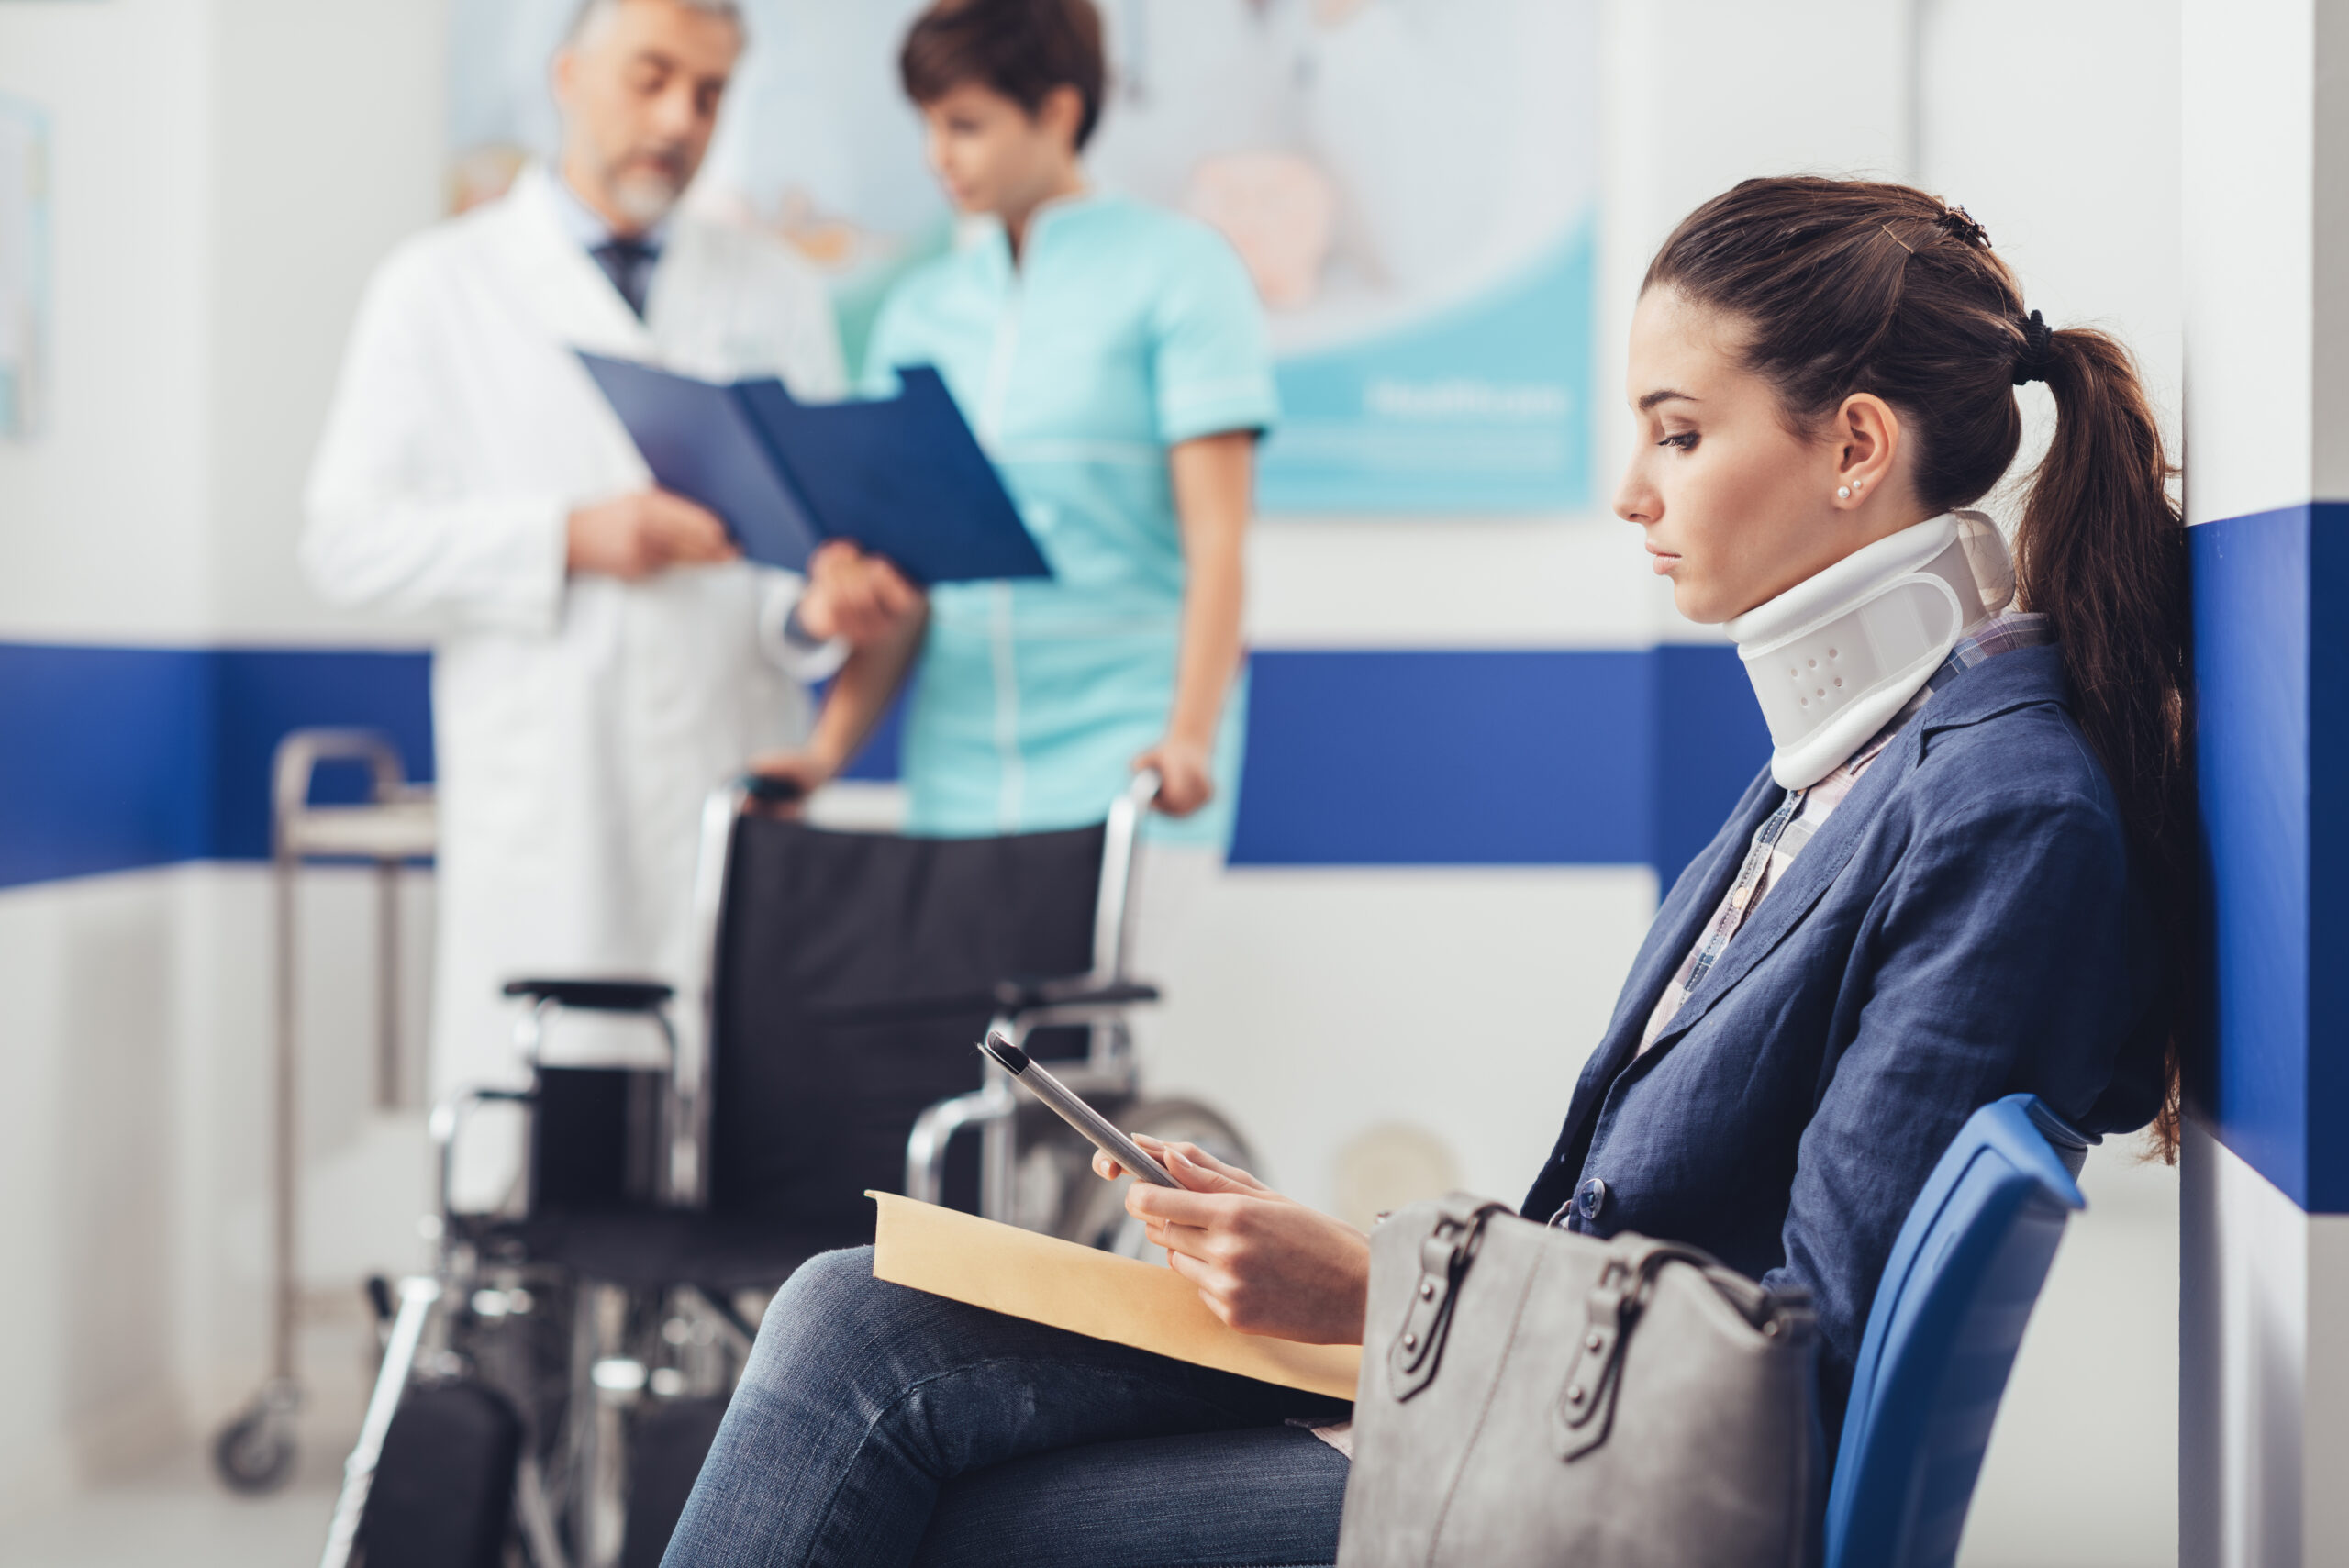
1942,1336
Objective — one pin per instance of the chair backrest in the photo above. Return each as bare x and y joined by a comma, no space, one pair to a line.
811,1103
1942,1336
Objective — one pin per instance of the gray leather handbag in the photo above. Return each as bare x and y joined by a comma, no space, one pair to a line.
1531,1397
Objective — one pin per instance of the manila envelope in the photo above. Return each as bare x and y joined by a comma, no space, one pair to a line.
1046,1280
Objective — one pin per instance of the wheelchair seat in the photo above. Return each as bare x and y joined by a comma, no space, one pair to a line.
650,1248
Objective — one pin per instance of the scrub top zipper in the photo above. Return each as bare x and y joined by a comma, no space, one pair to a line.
1002,650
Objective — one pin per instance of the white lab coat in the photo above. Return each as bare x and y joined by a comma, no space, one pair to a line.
579,722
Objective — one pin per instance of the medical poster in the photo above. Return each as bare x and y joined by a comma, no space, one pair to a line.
1413,184
23,268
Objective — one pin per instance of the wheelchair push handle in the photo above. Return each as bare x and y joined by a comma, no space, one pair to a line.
773,789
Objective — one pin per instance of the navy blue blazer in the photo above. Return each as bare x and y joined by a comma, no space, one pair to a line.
1964,927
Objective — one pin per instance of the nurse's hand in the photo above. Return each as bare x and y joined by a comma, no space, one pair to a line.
857,596
809,770
1185,775
632,537
1263,1263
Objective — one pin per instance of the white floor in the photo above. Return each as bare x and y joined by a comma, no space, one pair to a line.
178,1514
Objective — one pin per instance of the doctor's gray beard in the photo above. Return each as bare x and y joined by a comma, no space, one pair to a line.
644,198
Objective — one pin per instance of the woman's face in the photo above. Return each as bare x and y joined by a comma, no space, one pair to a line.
992,155
1738,508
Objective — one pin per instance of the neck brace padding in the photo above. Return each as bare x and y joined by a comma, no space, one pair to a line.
1835,656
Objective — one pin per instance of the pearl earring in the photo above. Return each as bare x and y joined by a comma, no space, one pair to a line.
1843,493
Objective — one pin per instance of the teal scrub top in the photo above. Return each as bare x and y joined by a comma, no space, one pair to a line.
1124,331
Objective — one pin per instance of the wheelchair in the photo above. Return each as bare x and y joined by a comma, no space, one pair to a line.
828,1049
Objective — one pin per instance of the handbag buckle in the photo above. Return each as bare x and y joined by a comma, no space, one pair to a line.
1586,1405
1445,1258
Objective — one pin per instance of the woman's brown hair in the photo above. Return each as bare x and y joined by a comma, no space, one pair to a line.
1021,48
1846,286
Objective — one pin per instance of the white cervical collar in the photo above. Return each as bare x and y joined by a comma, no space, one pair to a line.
1835,656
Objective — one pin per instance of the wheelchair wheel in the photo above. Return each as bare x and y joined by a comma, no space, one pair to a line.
254,1453
1096,1213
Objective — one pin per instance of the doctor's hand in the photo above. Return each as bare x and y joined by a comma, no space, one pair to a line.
1263,1263
1185,775
857,596
632,537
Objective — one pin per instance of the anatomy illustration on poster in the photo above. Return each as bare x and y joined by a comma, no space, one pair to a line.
1412,183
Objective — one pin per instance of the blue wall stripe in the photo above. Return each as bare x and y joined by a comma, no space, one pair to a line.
264,692
101,759
121,758
1445,758
2272,667
2326,1045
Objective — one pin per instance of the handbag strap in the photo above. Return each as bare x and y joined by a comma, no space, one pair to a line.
1444,1256
1586,1405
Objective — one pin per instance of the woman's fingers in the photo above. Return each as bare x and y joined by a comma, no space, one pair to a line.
1215,1282
1179,1205
1201,1160
1205,1164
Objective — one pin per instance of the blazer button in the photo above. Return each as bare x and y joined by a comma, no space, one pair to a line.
1590,1197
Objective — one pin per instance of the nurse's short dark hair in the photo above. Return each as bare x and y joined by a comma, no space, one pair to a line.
1021,48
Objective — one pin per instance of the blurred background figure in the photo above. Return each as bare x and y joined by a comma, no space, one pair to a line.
604,657
1123,403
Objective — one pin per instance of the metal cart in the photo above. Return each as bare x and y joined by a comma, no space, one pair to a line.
255,1452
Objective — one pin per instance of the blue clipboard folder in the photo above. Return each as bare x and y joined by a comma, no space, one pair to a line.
902,477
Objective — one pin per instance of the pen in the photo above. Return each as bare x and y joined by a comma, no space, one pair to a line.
1096,1128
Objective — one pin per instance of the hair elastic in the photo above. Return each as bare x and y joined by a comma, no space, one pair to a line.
2038,350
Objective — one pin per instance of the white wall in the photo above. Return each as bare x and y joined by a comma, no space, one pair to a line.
2057,125
102,519
328,117
133,1183
224,171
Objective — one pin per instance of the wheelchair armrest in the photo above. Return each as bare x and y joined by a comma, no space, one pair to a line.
1077,991
596,996
1018,997
448,1118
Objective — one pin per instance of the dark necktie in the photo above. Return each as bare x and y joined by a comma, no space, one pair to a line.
628,263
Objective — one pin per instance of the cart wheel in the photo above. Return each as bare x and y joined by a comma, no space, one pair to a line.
254,1453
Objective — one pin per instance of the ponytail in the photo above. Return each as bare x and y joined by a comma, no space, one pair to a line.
2101,552
1847,285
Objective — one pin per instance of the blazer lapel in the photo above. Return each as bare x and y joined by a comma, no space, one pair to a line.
1786,904
1685,909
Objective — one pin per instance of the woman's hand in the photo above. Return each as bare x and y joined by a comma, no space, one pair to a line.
1263,1263
1185,775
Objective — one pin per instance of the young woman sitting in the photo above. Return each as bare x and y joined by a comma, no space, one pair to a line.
1966,873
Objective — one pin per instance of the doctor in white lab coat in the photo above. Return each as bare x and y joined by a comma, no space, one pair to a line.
603,658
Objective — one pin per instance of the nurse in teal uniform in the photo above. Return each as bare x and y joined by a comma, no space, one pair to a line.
1112,358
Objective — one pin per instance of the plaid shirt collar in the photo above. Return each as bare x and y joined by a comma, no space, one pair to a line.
1999,634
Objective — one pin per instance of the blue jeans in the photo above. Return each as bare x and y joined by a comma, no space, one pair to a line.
877,1425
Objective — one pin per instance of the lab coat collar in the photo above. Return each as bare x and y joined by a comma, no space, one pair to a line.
586,226
576,303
